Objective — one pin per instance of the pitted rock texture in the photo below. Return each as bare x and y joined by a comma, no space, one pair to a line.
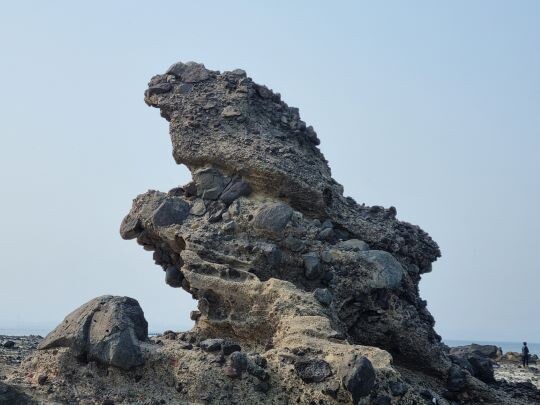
228,122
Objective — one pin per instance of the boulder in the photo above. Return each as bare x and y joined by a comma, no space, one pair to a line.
107,329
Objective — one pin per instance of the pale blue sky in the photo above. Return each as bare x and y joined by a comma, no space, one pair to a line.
433,107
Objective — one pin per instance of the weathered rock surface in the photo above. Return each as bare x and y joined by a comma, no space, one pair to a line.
106,329
304,296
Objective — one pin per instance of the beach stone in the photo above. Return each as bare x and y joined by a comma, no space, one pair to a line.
360,379
107,330
273,217
313,370
8,344
173,210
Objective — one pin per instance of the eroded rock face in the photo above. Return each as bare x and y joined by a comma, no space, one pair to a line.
106,329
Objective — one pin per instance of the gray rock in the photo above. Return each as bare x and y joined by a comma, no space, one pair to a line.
293,244
312,266
236,188
160,88
9,344
457,379
353,244
387,272
172,211
327,234
239,361
130,227
398,388
212,345
273,217
229,347
107,329
173,277
198,208
230,112
313,370
360,379
323,295
326,256
382,400
327,224
210,183
10,395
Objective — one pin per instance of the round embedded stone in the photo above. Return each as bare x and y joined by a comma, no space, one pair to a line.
239,361
323,295
172,211
173,277
313,370
360,379
312,266
386,272
273,217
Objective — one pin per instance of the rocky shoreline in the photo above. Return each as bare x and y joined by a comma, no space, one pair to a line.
510,377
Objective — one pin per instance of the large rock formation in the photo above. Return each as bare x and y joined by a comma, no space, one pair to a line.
304,296
264,216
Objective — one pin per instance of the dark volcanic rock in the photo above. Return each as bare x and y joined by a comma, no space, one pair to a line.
313,371
360,379
107,329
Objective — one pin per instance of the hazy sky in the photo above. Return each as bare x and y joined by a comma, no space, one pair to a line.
433,107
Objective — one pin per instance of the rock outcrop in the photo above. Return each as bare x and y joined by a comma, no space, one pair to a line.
106,329
304,296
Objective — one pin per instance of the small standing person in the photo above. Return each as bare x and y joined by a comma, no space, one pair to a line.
525,354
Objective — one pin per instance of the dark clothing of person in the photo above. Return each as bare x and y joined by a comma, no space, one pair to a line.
525,355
